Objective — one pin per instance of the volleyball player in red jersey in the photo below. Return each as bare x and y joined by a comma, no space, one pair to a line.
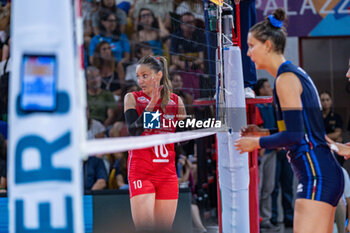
153,183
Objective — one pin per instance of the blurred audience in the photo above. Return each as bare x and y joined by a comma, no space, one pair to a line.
110,32
151,30
160,8
95,128
187,54
177,84
102,104
95,175
112,73
195,7
332,121
121,174
121,17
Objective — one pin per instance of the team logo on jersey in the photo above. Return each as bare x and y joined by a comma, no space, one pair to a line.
143,99
151,120
172,102
300,188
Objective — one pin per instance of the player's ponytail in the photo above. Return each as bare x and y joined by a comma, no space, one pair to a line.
165,81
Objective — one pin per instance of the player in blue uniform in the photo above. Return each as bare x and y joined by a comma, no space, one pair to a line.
300,126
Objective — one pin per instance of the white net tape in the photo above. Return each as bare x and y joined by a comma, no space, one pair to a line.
113,145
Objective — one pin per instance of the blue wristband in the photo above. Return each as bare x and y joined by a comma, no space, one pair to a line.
293,134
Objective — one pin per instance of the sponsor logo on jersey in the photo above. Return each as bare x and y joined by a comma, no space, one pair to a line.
142,99
172,102
300,188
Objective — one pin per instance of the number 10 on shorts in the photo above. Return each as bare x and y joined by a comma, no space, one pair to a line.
137,184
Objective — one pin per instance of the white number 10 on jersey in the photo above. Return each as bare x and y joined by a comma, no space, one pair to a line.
163,152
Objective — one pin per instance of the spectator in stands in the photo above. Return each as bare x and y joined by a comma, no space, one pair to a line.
3,164
151,30
158,7
110,32
102,105
95,175
88,9
195,7
176,82
112,73
121,174
142,49
95,128
121,17
189,41
332,121
187,49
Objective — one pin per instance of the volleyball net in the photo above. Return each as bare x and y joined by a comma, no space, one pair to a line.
210,75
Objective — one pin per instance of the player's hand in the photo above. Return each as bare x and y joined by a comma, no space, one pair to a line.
339,148
247,144
237,1
157,88
254,131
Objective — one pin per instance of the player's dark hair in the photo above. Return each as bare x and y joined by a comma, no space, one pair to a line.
269,29
159,63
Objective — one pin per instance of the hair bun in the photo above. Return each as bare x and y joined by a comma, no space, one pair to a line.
280,14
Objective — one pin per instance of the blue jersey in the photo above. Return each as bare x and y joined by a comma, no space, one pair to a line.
312,110
319,174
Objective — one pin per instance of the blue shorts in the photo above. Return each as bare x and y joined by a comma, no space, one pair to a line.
319,174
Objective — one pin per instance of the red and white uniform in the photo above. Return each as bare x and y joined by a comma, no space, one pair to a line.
152,170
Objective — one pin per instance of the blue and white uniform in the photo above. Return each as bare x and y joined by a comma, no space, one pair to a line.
319,174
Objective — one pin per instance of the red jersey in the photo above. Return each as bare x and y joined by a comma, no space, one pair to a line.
157,162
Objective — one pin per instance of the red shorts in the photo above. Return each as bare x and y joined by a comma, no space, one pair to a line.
166,190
